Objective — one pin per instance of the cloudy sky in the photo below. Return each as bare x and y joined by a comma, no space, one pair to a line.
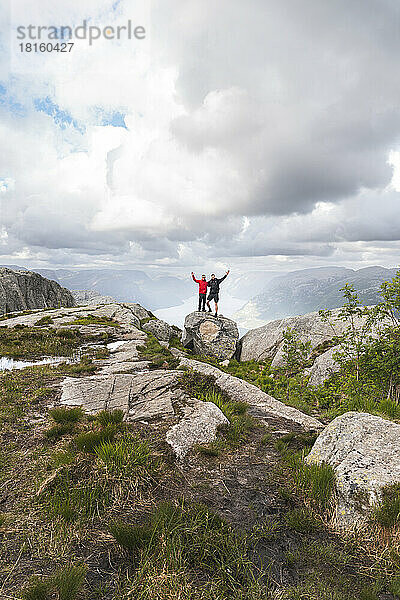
255,134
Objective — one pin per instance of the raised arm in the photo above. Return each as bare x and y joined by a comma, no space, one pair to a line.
224,277
194,279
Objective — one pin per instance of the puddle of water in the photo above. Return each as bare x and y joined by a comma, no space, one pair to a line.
114,345
8,364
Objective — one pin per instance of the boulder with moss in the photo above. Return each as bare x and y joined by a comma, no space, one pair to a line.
364,451
210,336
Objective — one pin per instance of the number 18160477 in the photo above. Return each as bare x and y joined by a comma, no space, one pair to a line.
46,47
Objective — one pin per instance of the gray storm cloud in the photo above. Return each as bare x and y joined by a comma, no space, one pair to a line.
283,113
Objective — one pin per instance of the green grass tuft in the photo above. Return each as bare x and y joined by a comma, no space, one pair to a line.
95,320
126,457
301,520
131,537
188,539
37,589
210,450
90,440
387,512
158,355
109,417
59,430
389,408
316,481
44,321
62,414
69,581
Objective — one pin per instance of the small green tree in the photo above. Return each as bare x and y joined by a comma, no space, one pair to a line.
295,355
369,349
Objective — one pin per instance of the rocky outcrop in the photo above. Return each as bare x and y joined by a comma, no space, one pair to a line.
149,397
138,310
241,390
364,451
123,314
26,290
160,329
210,336
266,342
125,383
323,367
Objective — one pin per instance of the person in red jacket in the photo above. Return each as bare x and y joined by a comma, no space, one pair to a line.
202,291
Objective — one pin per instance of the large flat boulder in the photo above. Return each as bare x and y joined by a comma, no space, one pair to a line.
364,451
210,336
144,396
266,342
150,396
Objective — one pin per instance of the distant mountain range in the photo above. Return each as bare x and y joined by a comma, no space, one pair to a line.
129,285
267,296
307,290
153,292
125,285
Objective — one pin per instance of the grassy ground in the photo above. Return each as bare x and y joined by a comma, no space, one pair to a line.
33,342
326,401
94,508
158,355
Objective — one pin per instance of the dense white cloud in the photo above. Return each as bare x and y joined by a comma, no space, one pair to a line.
252,129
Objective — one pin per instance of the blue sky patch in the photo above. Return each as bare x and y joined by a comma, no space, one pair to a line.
10,103
114,118
62,118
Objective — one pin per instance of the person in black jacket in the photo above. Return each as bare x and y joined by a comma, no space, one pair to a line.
213,284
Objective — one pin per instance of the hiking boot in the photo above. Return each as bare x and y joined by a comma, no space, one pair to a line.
209,310
216,315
